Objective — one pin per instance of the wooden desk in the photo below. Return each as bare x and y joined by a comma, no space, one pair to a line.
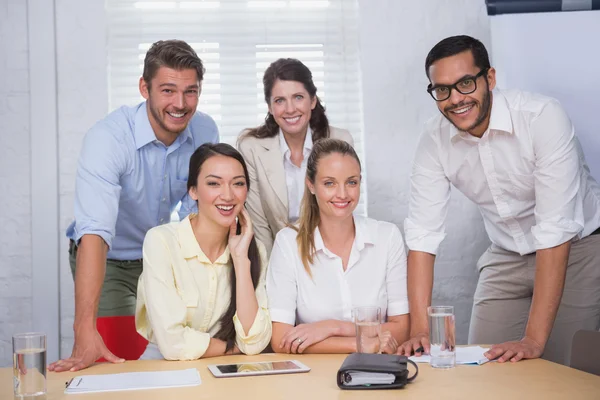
532,379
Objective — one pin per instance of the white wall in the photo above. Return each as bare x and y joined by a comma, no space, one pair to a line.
555,54
15,178
82,100
395,39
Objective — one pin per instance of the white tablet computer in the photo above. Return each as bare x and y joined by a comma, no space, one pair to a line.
257,368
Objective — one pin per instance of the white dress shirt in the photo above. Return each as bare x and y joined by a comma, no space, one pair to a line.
527,174
294,176
375,276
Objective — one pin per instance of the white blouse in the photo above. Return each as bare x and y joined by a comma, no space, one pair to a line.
295,176
375,276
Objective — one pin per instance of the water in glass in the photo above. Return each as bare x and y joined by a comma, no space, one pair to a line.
29,373
441,325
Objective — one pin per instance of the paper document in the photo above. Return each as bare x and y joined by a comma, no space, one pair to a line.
464,355
134,381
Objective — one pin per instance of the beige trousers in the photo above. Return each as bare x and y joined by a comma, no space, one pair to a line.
505,288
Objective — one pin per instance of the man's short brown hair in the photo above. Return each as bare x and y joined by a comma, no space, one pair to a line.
175,54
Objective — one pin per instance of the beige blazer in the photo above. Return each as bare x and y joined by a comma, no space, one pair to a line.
267,200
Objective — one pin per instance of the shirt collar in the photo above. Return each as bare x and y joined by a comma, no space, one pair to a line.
500,119
285,149
143,132
190,247
362,236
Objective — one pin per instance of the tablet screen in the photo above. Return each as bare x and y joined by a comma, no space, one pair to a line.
262,366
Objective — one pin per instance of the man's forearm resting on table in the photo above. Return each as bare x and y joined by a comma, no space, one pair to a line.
89,277
550,272
420,285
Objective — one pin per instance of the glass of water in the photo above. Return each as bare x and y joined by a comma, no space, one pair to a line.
442,336
367,321
29,365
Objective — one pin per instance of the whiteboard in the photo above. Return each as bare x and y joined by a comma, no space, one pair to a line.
558,55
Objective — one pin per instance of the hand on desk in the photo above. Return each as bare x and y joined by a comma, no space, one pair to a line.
88,347
417,345
297,339
387,343
515,351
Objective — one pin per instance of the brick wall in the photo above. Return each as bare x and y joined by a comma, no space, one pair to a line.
15,177
395,39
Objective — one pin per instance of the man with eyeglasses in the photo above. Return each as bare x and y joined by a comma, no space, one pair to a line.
516,156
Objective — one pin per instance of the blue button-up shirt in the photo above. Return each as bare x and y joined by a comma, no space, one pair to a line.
128,181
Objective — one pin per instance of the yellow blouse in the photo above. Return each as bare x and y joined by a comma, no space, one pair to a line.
182,295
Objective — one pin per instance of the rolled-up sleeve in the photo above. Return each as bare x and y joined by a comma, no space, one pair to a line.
259,335
429,197
282,287
558,199
165,310
396,275
102,160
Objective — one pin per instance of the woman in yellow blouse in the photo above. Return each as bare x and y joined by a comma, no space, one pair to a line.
202,290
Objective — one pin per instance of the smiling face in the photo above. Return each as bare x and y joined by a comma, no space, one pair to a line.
468,112
291,106
221,190
172,98
336,186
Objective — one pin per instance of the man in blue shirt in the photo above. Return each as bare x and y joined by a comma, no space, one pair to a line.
132,174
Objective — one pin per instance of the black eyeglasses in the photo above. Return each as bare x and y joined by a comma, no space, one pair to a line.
466,85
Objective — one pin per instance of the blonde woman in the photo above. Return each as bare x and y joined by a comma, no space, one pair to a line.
332,261
201,293
276,152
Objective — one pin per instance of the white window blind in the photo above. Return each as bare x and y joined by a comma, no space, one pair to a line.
237,40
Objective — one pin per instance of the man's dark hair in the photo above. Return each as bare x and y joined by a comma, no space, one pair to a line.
454,45
175,54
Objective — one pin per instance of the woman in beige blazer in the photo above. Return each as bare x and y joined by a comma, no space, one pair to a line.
276,152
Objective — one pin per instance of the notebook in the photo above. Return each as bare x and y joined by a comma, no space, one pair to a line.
133,381
469,355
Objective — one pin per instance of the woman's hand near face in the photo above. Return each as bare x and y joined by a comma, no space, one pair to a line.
239,244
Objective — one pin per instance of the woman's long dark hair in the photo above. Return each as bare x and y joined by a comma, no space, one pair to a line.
203,153
290,69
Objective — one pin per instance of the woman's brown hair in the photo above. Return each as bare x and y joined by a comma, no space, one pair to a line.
309,208
203,153
290,69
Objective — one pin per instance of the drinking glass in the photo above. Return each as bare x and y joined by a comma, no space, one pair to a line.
367,321
29,365
442,336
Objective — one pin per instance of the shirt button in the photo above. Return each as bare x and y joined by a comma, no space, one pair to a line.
165,176
164,199
162,220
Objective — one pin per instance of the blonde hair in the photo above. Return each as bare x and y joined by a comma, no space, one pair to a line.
309,208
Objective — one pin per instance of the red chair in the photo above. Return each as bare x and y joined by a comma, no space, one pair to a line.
120,337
